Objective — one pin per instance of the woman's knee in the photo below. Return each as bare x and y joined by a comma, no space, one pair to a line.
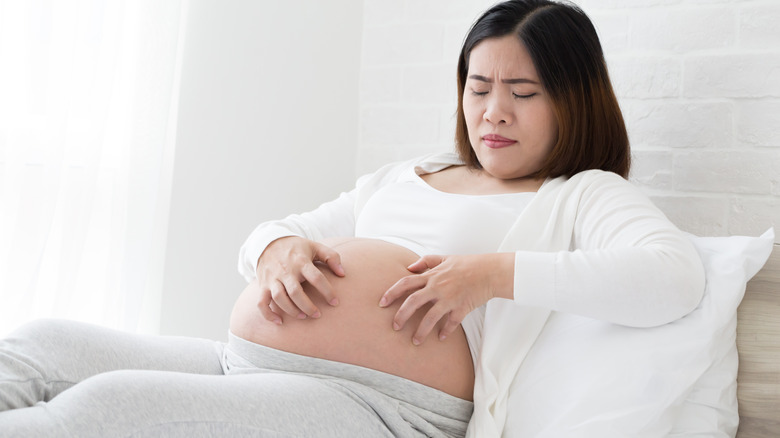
42,328
48,356
26,367
49,340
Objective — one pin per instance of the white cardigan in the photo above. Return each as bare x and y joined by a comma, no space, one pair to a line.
591,245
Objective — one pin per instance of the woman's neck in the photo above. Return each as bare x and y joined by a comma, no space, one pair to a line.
465,181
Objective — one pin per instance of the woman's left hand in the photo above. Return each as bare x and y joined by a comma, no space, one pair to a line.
453,285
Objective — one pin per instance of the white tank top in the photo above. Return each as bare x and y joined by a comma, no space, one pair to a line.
436,222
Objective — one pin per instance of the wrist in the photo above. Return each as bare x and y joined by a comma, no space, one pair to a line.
502,275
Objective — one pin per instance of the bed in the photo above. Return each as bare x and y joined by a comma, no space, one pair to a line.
758,343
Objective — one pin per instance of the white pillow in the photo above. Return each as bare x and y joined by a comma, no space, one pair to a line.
589,378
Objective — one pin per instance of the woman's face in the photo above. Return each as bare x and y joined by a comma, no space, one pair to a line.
510,119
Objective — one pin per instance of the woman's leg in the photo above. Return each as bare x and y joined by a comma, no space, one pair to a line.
75,362
43,358
166,404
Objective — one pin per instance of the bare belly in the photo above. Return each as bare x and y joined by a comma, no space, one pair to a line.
358,331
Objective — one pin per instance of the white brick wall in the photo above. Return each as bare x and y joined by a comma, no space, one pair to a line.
407,89
698,81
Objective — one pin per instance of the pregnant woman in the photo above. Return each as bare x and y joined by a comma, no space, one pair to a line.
404,307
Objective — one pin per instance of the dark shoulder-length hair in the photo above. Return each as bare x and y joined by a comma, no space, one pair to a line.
567,54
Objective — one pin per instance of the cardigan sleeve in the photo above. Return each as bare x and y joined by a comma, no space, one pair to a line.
336,218
331,219
628,264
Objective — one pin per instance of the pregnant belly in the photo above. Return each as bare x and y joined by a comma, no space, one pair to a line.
358,331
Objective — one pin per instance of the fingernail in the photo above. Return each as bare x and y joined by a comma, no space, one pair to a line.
416,341
316,314
396,327
383,302
301,315
334,302
277,321
442,337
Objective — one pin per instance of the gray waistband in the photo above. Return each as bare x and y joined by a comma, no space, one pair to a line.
261,358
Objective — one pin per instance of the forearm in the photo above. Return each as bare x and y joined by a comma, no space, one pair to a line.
638,287
626,262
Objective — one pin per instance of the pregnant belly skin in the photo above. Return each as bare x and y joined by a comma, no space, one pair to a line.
358,331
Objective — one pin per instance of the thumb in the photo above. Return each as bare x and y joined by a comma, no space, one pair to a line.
425,262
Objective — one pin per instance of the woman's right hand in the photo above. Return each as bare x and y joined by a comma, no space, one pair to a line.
282,268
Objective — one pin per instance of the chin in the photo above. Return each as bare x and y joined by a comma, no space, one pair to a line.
505,175
502,172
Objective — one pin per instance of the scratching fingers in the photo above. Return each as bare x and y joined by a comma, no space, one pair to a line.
330,257
452,323
429,321
300,299
267,305
315,277
401,288
282,299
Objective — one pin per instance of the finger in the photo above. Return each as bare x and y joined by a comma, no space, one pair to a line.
452,323
330,257
429,321
300,298
280,297
276,309
266,305
402,287
425,262
315,277
411,304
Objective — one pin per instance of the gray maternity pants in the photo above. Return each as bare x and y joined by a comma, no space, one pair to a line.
68,379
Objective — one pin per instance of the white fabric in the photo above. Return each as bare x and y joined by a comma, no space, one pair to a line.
430,218
711,403
334,218
592,245
588,378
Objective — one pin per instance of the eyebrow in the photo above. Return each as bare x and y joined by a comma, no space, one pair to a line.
505,81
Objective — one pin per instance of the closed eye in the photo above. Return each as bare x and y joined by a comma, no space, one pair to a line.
523,96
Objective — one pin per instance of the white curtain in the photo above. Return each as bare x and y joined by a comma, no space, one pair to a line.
88,98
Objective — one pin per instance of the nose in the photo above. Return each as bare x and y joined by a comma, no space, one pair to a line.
498,110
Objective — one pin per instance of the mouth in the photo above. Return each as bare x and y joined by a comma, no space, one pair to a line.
495,141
